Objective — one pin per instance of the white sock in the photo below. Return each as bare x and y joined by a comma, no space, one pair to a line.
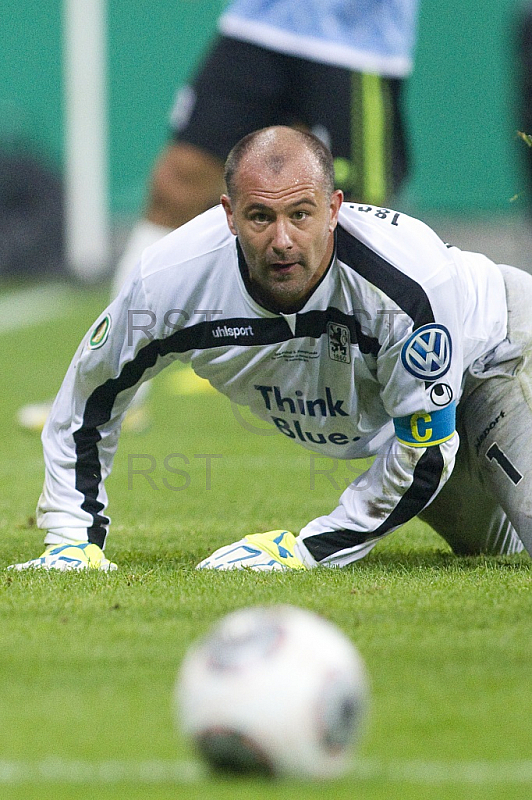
143,234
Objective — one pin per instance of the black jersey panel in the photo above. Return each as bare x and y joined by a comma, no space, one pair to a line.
407,293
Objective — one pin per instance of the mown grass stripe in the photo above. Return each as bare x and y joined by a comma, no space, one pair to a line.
477,773
54,770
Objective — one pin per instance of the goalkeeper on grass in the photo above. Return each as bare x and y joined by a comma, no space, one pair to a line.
353,329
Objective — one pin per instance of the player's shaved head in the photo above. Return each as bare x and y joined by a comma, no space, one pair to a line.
282,206
272,149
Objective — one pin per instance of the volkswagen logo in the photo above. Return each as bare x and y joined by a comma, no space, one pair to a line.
427,352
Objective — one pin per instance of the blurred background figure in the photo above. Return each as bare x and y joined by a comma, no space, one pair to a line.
335,68
338,69
31,205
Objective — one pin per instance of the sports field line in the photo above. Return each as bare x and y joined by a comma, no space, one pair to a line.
57,770
27,307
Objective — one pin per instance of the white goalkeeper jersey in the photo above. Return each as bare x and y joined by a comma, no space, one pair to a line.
372,365
375,36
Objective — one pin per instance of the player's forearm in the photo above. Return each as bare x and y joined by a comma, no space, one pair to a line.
398,485
80,437
73,500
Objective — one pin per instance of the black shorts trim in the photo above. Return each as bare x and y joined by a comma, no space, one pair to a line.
242,87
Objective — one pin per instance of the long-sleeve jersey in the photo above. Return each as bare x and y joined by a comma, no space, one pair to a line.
372,365
376,36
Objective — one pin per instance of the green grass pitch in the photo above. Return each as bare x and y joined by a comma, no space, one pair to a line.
88,661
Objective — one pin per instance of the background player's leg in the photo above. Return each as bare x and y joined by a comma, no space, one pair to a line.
359,116
185,182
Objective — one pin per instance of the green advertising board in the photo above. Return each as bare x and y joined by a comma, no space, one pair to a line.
462,101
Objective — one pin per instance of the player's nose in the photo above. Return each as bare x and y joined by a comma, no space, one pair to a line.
281,239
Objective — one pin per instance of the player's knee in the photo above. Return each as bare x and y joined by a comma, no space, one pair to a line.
185,182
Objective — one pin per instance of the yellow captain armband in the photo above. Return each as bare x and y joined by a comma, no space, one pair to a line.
426,429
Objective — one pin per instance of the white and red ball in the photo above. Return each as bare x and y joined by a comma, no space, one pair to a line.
275,690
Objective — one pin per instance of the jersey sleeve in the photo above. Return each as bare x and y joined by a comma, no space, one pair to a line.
419,369
80,437
399,484
410,470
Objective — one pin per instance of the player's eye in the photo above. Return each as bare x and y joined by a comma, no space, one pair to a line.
259,217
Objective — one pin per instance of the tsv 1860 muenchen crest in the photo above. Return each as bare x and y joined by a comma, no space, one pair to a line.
339,342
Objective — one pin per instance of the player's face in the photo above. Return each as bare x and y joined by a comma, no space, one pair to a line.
285,224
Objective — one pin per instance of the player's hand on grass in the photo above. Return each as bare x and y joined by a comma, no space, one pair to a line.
64,557
265,552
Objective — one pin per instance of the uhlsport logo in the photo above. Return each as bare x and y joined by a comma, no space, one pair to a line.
339,342
232,332
427,353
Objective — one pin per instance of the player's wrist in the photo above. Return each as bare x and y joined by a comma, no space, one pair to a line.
70,536
301,552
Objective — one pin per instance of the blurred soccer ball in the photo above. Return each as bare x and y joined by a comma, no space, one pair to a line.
273,690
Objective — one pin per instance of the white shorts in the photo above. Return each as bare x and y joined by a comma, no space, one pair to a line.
486,505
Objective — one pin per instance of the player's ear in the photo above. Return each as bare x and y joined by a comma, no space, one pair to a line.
226,203
337,198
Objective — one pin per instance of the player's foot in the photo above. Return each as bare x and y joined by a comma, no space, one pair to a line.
63,557
274,550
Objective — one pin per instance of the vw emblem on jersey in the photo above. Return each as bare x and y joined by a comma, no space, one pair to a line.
427,353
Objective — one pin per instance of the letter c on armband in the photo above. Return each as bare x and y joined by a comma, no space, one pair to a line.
425,430
417,434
